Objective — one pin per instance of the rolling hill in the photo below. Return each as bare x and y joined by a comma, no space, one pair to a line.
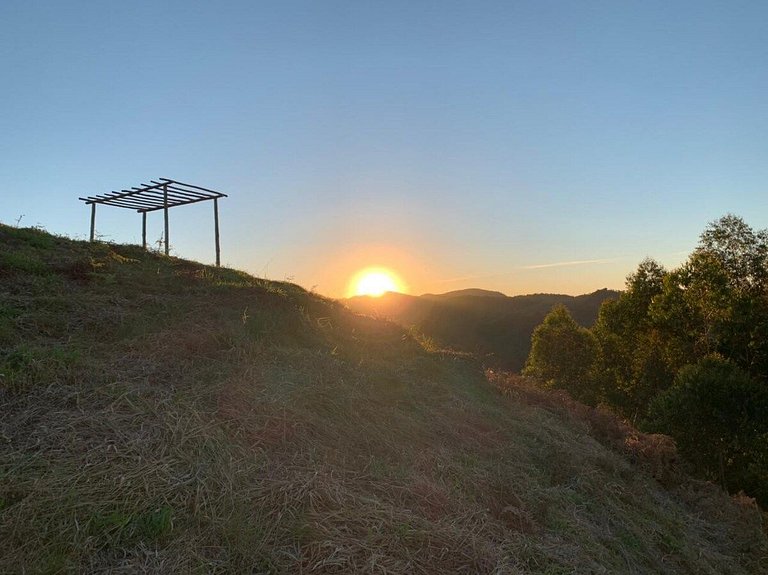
489,324
162,416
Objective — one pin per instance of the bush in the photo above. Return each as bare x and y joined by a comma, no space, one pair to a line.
563,356
718,416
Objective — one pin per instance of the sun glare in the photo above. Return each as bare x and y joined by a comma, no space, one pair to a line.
375,282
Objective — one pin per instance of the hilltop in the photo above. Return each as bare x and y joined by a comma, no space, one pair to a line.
164,416
486,323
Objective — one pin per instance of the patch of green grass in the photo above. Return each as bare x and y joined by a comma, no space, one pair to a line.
155,524
630,540
33,237
124,527
28,366
8,311
22,261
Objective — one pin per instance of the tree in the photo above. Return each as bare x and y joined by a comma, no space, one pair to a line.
742,252
743,256
693,309
717,302
632,363
563,355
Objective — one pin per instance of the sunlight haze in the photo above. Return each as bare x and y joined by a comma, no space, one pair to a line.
375,282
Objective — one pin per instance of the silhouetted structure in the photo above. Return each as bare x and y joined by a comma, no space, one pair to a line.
158,195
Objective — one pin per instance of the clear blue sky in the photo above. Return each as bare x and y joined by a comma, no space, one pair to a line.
460,143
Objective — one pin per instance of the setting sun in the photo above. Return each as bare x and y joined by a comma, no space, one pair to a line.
375,282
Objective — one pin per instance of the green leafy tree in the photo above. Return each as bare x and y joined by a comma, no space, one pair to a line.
693,309
743,256
717,301
742,252
563,355
718,416
632,363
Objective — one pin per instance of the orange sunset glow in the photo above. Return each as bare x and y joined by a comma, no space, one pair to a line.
375,282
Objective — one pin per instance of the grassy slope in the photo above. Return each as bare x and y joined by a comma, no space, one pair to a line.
165,416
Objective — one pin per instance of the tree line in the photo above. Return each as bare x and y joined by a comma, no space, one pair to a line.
682,352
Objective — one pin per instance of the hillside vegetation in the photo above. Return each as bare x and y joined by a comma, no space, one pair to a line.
495,327
682,352
163,416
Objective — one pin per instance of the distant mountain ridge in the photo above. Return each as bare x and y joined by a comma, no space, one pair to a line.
490,324
473,292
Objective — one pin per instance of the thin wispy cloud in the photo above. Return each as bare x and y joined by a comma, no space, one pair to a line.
570,263
528,267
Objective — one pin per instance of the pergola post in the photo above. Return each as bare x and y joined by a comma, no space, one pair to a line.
93,221
165,215
144,230
216,230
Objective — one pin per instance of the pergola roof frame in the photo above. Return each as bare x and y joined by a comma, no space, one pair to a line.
161,194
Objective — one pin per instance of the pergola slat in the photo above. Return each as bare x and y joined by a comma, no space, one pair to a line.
121,203
128,204
186,193
175,187
123,193
172,195
133,200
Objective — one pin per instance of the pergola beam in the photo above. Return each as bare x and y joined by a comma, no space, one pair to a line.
191,186
171,205
130,203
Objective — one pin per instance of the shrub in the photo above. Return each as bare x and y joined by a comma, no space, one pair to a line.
563,355
718,416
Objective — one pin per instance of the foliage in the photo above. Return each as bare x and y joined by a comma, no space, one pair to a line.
704,310
719,417
717,301
563,355
741,251
632,366
656,342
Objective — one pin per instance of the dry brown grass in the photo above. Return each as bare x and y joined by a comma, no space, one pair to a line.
655,453
164,417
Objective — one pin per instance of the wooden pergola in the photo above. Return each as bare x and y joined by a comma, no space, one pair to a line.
161,194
